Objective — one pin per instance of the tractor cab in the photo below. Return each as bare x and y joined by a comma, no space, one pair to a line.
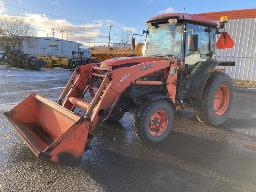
187,38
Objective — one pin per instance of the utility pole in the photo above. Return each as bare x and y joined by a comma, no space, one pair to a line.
53,32
109,35
62,33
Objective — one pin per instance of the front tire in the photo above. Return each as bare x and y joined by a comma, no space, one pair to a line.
216,103
153,121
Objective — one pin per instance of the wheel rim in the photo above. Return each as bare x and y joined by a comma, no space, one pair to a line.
158,123
221,100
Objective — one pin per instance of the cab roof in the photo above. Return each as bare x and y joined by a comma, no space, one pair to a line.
185,17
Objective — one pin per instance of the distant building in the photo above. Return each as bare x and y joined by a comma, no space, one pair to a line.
49,46
121,45
242,28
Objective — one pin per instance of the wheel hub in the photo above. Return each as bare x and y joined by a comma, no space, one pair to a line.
158,123
221,100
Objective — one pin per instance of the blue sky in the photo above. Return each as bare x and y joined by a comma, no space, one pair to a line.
125,15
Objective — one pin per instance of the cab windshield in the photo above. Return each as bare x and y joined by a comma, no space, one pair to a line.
163,40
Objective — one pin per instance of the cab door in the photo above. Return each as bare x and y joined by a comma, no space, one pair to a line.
204,48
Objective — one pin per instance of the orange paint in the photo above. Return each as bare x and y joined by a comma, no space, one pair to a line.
225,41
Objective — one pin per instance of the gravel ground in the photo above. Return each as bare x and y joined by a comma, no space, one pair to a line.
196,157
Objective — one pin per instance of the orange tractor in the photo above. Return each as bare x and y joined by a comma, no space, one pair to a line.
177,70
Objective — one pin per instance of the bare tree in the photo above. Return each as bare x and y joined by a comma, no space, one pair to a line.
125,37
13,30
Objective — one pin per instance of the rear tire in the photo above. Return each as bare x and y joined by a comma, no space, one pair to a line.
153,121
216,102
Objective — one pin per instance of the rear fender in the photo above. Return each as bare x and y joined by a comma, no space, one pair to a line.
199,78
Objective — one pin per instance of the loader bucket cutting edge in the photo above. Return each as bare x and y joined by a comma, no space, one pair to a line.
51,131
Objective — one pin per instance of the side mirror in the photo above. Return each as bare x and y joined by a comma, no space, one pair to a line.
133,43
193,42
145,32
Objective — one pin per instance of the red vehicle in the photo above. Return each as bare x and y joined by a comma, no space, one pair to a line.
176,71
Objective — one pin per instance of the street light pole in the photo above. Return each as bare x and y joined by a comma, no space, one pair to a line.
109,35
62,33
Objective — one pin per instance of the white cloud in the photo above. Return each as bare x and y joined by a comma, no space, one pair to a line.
167,10
129,29
84,32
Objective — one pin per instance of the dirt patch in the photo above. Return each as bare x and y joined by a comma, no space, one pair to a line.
244,83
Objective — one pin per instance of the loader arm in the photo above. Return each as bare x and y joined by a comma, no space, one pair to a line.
76,85
116,81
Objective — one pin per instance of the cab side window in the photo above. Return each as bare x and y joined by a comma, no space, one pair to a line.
204,38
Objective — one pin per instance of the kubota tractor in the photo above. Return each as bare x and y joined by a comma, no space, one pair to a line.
176,71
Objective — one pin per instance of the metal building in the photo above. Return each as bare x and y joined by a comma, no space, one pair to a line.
242,28
49,46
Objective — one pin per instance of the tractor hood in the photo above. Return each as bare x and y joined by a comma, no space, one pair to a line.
128,61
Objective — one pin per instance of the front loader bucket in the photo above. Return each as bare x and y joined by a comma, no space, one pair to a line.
51,131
